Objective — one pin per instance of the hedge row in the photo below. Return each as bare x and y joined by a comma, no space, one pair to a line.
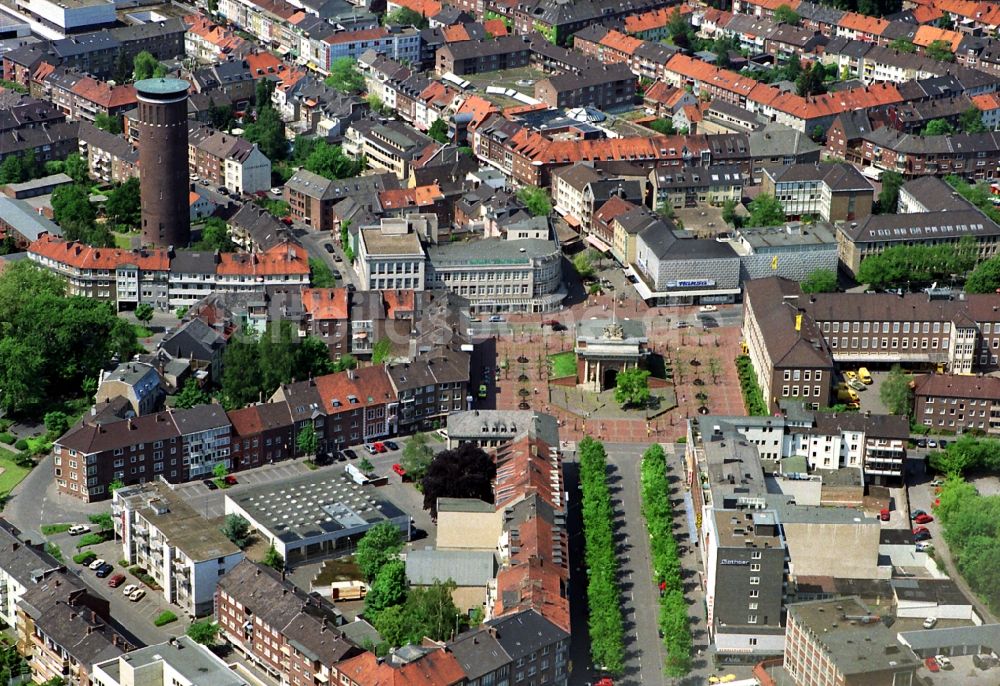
753,397
607,633
165,618
659,516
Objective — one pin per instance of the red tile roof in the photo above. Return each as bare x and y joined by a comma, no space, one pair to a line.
987,102
103,94
926,35
425,8
536,585
455,33
246,421
620,42
284,258
326,303
495,27
436,668
421,196
863,23
479,107
83,256
399,303
356,36
926,15
652,20
369,385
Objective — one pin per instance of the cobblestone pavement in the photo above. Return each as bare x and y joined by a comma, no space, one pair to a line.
694,352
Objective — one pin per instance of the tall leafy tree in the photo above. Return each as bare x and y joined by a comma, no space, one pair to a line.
985,278
766,210
123,208
463,472
417,456
388,588
820,281
76,168
146,66
439,131
191,394
536,200
888,197
237,530
381,544
330,161
896,393
632,387
345,77
268,132
306,441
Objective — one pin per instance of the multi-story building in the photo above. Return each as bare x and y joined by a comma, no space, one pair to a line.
291,635
227,160
788,350
611,87
70,17
822,640
793,251
971,155
110,158
390,257
675,271
953,402
476,57
22,565
831,192
178,662
395,42
312,197
430,388
137,382
391,145
497,275
686,187
164,535
177,445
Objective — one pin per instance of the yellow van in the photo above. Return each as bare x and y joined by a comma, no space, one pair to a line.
864,376
847,395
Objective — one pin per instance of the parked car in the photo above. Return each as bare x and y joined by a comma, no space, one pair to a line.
349,454
277,190
937,482
932,664
942,443
920,530
856,385
211,485
78,529
97,563
230,480
849,374
916,513
921,443
391,445
922,536
924,547
864,376
130,589
483,390
930,622
932,443
398,468
328,248
87,559
884,514
371,449
380,447
104,570
708,308
116,581
944,661
682,325
923,518
496,319
137,595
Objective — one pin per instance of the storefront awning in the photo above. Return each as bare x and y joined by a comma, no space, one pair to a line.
598,243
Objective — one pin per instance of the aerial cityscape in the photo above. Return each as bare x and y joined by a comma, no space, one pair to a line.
499,343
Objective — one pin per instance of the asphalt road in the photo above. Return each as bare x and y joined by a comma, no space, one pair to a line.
314,242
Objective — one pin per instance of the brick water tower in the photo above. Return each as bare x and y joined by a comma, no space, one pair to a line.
163,162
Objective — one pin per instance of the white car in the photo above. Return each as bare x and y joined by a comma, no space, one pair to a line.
930,622
924,547
708,308
78,529
96,563
943,661
137,595
277,191
932,443
130,589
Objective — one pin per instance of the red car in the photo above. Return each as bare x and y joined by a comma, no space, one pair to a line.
884,514
932,664
398,468
380,447
116,580
231,480
923,518
920,530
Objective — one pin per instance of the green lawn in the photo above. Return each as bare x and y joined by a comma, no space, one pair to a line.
141,331
53,529
12,474
563,364
39,445
123,240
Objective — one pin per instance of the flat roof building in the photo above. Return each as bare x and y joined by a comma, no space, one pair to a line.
315,514
178,662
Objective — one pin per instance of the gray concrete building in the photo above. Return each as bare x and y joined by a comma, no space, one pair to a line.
671,268
793,251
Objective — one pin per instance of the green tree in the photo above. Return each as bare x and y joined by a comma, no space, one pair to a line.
381,351
220,116
262,94
404,16
203,631
237,530
144,312
632,387
365,465
123,208
536,200
729,214
663,127
306,441
785,14
76,168
432,611
56,423
220,470
146,66
820,281
940,50
215,236
985,278
388,588
376,104
191,395
938,127
393,624
268,132
73,211
12,170
888,197
380,544
115,485
896,393
681,32
766,210
915,264
971,121
417,456
811,81
106,122
102,520
329,161
273,559
344,76
320,275
903,45
583,263
439,131
312,359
